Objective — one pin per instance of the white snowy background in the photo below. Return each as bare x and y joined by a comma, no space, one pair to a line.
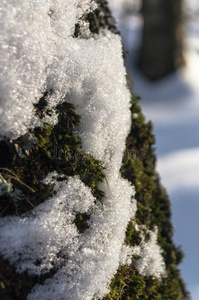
173,106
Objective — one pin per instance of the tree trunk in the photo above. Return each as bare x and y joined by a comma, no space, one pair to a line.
162,40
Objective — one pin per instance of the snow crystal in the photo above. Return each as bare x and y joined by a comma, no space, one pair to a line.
150,260
102,99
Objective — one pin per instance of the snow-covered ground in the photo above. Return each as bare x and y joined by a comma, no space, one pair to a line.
173,106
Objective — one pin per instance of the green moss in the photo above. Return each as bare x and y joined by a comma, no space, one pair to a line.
81,221
132,236
128,284
41,105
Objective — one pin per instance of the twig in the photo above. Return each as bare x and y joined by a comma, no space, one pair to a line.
55,138
15,177
69,119
121,291
22,183
9,171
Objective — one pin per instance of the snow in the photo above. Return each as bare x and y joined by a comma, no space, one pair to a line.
102,85
40,53
48,237
150,260
173,106
35,37
49,229
94,258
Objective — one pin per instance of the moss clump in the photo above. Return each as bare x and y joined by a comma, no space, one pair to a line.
59,149
153,209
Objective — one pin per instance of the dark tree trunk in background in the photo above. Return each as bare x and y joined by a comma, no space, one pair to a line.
162,40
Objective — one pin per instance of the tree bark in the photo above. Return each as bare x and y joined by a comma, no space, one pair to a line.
162,40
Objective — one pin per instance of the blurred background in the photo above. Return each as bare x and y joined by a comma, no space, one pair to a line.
161,40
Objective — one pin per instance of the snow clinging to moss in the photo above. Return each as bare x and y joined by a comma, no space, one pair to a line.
40,53
149,259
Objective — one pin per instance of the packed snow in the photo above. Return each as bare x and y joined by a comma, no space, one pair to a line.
39,53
